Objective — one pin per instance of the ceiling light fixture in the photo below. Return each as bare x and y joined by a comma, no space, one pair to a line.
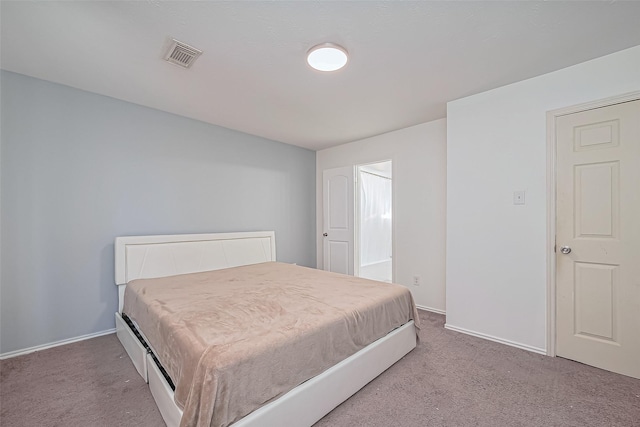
327,57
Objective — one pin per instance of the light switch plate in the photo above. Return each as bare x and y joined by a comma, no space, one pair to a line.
518,197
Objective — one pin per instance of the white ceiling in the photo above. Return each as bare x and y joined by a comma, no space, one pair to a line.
407,59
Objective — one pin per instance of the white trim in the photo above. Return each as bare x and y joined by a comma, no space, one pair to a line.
551,202
551,234
356,222
496,339
431,309
22,352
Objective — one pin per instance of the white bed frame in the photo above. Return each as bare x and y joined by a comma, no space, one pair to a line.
158,256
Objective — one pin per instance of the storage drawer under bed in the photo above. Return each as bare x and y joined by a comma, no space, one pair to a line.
136,351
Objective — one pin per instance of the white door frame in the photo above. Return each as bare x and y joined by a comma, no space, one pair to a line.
356,240
551,202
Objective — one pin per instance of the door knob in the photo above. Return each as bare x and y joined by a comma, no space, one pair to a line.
565,250
325,234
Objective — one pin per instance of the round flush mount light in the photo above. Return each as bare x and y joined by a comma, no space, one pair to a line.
327,57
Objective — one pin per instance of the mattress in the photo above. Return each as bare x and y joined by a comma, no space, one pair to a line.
232,340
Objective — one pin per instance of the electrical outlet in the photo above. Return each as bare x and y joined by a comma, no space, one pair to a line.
416,280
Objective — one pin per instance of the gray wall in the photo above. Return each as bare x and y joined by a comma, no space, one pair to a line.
79,169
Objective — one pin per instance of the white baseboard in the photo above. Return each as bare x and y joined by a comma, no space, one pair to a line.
433,310
496,339
54,344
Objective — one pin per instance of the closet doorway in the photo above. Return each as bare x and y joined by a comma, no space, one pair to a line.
374,230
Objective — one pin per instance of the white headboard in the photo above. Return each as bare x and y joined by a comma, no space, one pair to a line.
144,257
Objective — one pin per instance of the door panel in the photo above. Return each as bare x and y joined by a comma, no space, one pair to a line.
338,215
597,199
595,303
598,212
338,257
338,202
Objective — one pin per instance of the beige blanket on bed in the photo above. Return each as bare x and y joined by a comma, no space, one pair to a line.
234,339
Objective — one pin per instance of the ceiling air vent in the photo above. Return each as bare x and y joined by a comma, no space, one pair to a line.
182,54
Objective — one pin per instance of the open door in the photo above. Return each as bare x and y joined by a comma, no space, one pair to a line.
338,215
374,229
598,238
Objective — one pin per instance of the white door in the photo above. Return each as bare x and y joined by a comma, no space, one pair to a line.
598,238
338,204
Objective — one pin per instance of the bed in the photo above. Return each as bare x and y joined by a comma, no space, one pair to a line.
159,268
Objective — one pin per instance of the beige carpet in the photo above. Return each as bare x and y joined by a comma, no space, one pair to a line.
450,379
